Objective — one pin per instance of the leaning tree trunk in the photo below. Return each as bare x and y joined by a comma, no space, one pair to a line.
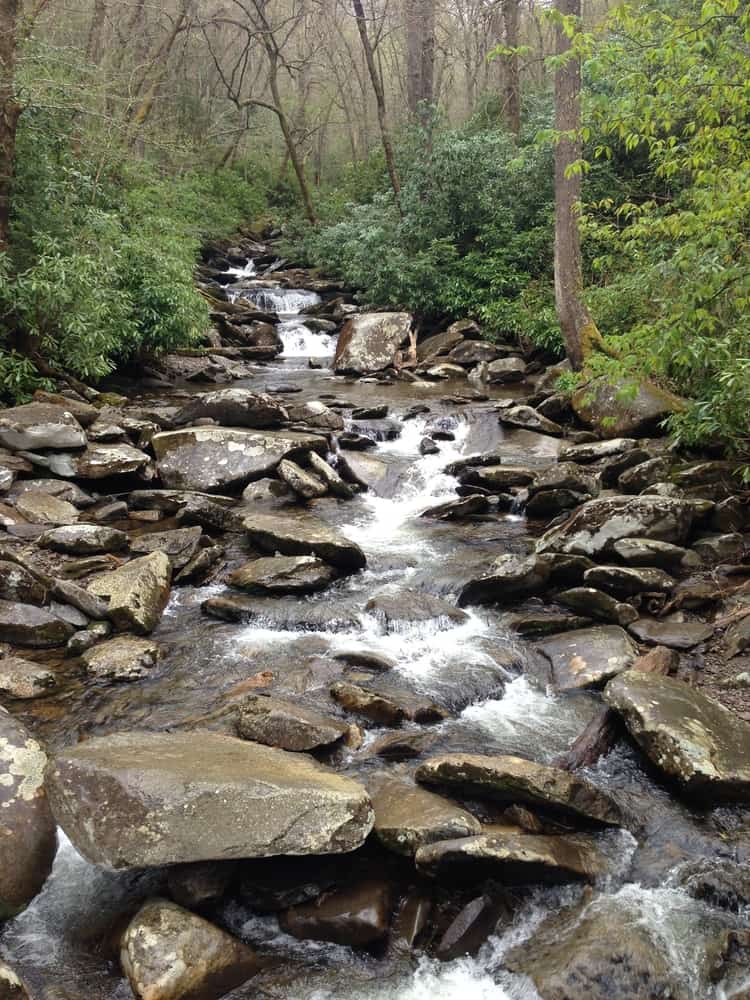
10,111
579,331
512,72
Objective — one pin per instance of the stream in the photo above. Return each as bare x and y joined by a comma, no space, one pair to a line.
475,669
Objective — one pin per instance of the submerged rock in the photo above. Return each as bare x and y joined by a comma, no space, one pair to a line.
178,797
300,535
23,679
282,575
386,708
407,816
510,578
137,592
123,658
693,739
587,657
369,342
407,607
358,915
283,724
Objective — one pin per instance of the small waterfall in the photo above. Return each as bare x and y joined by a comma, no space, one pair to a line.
247,271
284,301
301,342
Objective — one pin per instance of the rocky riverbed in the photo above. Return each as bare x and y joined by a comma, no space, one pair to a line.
379,668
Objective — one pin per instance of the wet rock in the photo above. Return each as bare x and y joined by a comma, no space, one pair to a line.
214,458
587,657
728,516
88,637
84,539
370,412
199,510
720,548
505,370
693,739
18,584
514,780
474,352
84,412
402,745
316,414
470,929
285,725
177,798
32,627
535,626
527,417
303,483
180,545
411,919
28,840
638,477
41,508
407,607
301,535
457,510
40,425
271,492
168,953
427,446
329,476
597,604
513,859
614,414
361,656
283,575
597,951
496,478
370,473
105,460
673,634
724,884
355,916
299,615
233,407
123,658
369,342
196,885
594,528
406,816
356,442
565,476
647,552
385,708
59,488
627,581
24,679
596,450
510,578
439,344
11,985
201,565
137,592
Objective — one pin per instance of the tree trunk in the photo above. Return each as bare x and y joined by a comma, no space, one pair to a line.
377,87
287,131
94,45
579,331
10,111
512,72
419,18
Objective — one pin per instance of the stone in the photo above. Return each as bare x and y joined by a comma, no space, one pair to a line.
301,616
104,460
724,884
505,370
407,816
427,446
169,953
283,575
445,370
329,476
497,478
457,510
378,412
32,627
720,548
84,412
41,508
234,407
614,412
358,915
473,352
179,797
527,417
510,578
40,425
694,740
594,529
84,539
302,482
88,637
402,745
673,634
283,724
596,604
439,344
211,459
180,544
196,885
316,415
303,535
23,679
514,779
137,592
60,488
565,476
638,477
123,658
737,638
594,451
362,656
11,986
18,584
647,552
512,859
627,581
587,657
369,342
407,607
28,839
469,930
385,708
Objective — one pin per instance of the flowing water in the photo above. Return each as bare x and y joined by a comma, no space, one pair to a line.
474,668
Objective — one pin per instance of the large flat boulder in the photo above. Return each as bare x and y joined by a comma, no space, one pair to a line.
84,539
691,738
178,797
234,407
32,627
211,459
40,425
587,657
369,342
301,534
284,724
137,592
277,575
407,816
617,411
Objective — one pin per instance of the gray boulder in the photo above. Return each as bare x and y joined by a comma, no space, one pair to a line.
18,584
647,552
627,581
234,407
32,627
300,534
505,370
123,658
41,508
282,575
137,592
84,539
369,342
283,724
303,483
587,657
407,607
100,461
40,425
614,413
407,816
510,578
179,545
529,418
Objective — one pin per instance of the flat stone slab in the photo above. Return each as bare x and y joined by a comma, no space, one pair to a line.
676,635
282,575
283,724
693,739
40,425
294,534
32,627
587,657
407,816
133,800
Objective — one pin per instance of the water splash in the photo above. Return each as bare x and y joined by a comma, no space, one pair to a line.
284,301
301,342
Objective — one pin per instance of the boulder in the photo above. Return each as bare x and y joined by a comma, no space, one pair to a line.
407,816
233,407
180,545
288,616
303,535
627,581
23,679
596,604
469,930
474,352
282,575
439,344
84,539
673,634
357,916
505,370
369,342
527,417
638,477
647,552
41,508
315,414
565,476
18,584
123,658
137,592
179,797
168,953
40,425
28,839
11,986
104,460
728,548
594,529
514,779
458,510
408,607
513,859
32,627
84,412
329,476
595,451
587,657
510,578
617,411
386,708
498,478
693,739
303,483
283,724
211,459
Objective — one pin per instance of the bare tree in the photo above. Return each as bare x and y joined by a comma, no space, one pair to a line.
419,18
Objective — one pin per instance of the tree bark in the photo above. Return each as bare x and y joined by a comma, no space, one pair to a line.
579,331
512,72
419,18
94,45
10,111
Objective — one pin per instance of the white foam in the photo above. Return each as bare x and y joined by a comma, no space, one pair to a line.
301,342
